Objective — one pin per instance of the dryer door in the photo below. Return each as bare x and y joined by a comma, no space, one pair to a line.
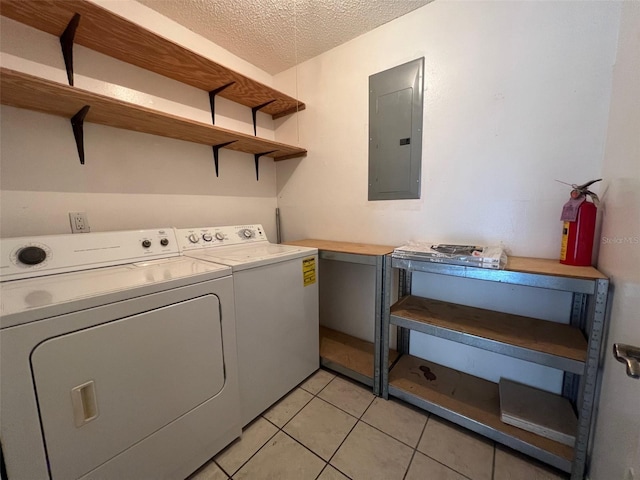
102,389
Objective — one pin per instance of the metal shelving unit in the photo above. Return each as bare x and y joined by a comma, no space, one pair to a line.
474,403
350,356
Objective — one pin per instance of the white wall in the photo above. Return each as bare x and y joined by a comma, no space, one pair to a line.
130,180
617,440
516,96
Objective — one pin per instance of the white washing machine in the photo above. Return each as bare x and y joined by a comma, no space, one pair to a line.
276,294
114,372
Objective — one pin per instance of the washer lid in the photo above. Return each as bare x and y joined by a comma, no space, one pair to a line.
27,300
249,256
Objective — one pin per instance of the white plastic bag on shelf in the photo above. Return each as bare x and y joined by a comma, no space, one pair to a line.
493,257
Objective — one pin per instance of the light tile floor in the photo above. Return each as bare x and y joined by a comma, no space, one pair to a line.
330,428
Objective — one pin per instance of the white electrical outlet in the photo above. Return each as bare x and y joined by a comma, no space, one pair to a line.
79,222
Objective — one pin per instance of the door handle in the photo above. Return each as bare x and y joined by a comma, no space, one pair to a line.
629,355
85,405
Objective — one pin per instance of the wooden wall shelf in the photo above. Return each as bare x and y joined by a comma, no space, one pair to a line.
26,91
117,37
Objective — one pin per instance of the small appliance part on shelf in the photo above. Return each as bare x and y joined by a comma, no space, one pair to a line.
466,255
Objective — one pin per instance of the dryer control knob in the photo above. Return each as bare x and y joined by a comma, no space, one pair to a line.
219,236
146,243
207,237
32,255
193,238
246,233
164,242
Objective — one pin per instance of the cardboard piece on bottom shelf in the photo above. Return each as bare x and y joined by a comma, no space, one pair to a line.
543,413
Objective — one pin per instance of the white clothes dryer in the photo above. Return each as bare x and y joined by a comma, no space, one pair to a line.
276,298
118,357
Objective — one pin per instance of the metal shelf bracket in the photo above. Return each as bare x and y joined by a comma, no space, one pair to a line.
212,100
66,42
256,157
254,111
77,123
216,149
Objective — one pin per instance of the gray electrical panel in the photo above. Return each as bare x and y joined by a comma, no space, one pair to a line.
395,132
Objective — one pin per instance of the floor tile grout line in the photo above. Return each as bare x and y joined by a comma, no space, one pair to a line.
325,461
435,459
448,467
342,409
347,435
493,464
270,422
340,446
321,471
253,454
406,471
295,414
360,418
303,445
281,429
415,449
389,435
223,470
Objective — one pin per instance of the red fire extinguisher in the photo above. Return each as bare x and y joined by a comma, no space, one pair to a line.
578,229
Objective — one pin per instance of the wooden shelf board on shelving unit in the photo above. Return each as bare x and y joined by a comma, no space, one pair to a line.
533,272
467,398
483,328
108,33
350,352
26,91
343,247
546,266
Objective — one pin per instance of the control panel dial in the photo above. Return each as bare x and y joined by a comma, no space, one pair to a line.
164,242
246,233
219,236
193,238
207,237
32,255
146,243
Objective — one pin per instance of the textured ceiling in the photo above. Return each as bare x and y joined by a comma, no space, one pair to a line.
262,31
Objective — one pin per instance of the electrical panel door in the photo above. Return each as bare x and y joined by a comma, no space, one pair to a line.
395,132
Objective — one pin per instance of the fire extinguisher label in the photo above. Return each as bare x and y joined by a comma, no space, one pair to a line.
565,241
570,209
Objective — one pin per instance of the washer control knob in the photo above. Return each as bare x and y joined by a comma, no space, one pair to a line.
193,238
164,242
219,236
207,237
146,243
32,255
246,233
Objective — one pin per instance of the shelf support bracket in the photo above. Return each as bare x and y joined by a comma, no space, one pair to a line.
216,149
66,42
254,111
212,100
256,157
77,123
